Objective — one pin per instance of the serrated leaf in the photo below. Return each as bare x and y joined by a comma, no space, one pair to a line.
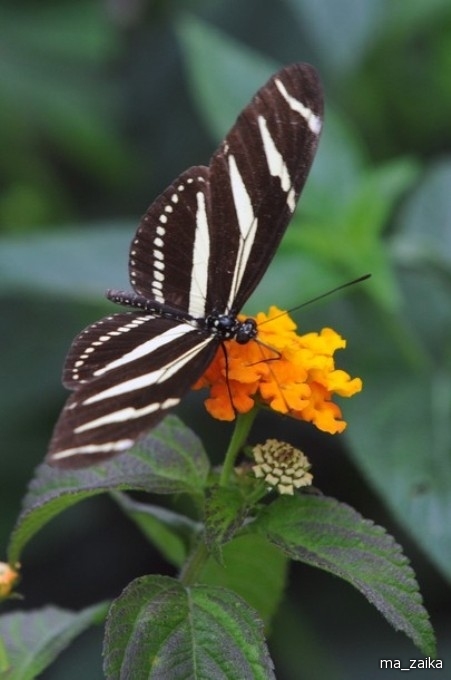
332,536
253,568
169,531
169,460
34,639
159,629
225,512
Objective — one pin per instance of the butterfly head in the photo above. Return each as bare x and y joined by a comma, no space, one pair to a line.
228,327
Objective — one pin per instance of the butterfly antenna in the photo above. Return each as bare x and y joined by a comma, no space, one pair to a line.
320,297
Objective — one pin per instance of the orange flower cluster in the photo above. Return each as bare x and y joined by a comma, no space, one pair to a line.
290,373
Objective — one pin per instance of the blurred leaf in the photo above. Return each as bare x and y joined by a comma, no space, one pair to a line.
379,192
42,198
409,17
252,568
423,234
343,32
223,73
34,639
158,627
77,264
403,448
169,460
340,162
400,429
348,236
330,535
413,55
4,661
169,531
54,96
77,33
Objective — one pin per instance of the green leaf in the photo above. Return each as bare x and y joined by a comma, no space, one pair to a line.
424,235
223,73
403,447
347,235
253,568
327,22
225,512
4,660
400,426
169,460
159,629
340,161
73,263
332,536
34,639
169,531
69,34
380,190
60,50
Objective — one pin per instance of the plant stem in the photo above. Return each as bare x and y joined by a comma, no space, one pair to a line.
242,427
193,566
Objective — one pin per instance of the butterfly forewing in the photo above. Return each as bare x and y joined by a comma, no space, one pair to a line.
163,263
198,253
256,177
238,207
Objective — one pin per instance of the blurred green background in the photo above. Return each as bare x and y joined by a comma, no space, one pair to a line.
102,104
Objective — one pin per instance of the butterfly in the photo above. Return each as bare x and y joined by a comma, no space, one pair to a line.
199,252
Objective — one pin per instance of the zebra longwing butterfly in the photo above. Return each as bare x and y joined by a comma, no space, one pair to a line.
198,253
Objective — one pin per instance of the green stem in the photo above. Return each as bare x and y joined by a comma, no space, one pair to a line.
261,490
242,427
192,568
196,561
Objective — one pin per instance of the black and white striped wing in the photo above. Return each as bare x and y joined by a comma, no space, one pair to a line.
170,248
199,251
205,243
127,370
256,177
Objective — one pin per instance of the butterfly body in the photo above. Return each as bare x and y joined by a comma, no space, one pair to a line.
220,326
199,252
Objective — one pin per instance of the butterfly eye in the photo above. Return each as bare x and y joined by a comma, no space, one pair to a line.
247,331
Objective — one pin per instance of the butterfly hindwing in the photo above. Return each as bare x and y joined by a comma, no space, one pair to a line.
119,392
112,339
